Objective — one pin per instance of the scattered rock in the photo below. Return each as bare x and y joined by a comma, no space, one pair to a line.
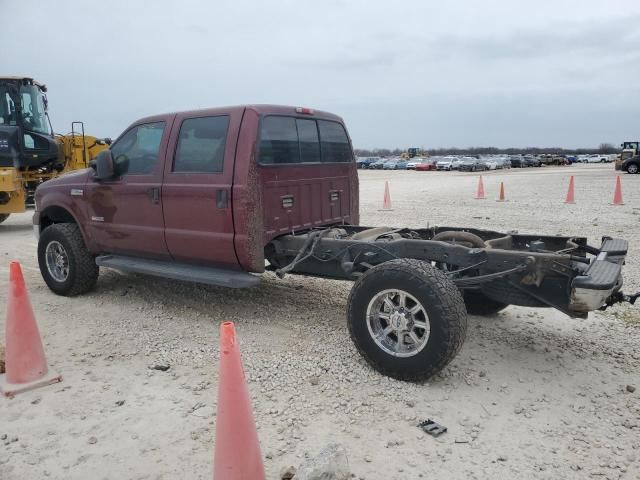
119,403
482,373
287,473
315,380
330,464
93,440
163,367
631,388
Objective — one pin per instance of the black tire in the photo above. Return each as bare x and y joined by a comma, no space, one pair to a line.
82,269
633,168
4,216
479,304
442,302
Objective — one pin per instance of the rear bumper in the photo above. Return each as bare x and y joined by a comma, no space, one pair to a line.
603,277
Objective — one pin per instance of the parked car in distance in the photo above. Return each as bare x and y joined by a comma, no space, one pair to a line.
426,165
365,162
411,164
489,163
631,165
455,164
377,165
531,161
517,162
598,159
471,165
503,162
444,164
390,164
401,164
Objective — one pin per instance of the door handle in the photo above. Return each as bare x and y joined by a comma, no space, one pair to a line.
154,194
222,198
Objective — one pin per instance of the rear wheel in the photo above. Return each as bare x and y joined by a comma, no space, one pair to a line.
407,319
4,216
66,265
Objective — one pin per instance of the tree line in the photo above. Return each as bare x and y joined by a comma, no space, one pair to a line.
603,148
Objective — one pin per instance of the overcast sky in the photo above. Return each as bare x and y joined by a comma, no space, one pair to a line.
401,73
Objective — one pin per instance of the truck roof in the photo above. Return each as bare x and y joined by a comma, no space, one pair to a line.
260,109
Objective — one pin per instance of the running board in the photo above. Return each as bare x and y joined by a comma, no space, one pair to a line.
179,271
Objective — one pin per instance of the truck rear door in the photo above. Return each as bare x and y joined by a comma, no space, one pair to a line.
196,192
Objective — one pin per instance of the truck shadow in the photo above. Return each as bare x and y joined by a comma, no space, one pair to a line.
5,229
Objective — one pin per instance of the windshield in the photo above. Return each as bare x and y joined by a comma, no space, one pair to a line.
34,117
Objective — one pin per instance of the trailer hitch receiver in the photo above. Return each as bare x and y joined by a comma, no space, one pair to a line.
620,297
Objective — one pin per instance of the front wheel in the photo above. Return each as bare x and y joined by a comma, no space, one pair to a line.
407,319
66,265
4,216
632,168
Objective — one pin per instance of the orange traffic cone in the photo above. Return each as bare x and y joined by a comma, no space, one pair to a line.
570,193
501,197
617,195
480,191
386,203
237,451
26,365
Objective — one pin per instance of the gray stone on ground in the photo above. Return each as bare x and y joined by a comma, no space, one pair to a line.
330,464
287,473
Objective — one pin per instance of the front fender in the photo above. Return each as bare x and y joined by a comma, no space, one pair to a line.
54,203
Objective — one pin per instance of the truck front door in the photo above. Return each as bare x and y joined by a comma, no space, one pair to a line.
196,193
125,214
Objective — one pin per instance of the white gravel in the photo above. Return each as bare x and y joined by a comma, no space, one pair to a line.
532,394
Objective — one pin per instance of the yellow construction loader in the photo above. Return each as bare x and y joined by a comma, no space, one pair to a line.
30,153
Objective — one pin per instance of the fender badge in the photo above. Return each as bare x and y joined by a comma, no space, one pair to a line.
77,192
97,219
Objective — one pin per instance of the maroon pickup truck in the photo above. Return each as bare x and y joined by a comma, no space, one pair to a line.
219,195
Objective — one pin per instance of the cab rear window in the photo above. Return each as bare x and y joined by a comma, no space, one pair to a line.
291,140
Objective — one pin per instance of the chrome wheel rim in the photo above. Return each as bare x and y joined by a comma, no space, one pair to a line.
57,261
632,169
398,323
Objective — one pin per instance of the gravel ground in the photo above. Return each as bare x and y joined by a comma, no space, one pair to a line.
532,394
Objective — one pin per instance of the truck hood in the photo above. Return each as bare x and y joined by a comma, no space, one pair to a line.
76,178
71,178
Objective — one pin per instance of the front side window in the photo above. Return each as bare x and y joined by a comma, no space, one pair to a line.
201,145
140,146
290,140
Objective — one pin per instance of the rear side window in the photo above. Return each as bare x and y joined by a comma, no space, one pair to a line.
201,145
279,141
308,139
334,142
289,140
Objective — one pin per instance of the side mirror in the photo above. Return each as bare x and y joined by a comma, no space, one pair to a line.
120,165
103,166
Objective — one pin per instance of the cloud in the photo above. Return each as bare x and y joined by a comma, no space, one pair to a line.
436,73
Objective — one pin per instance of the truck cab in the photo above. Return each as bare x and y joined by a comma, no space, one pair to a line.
207,188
